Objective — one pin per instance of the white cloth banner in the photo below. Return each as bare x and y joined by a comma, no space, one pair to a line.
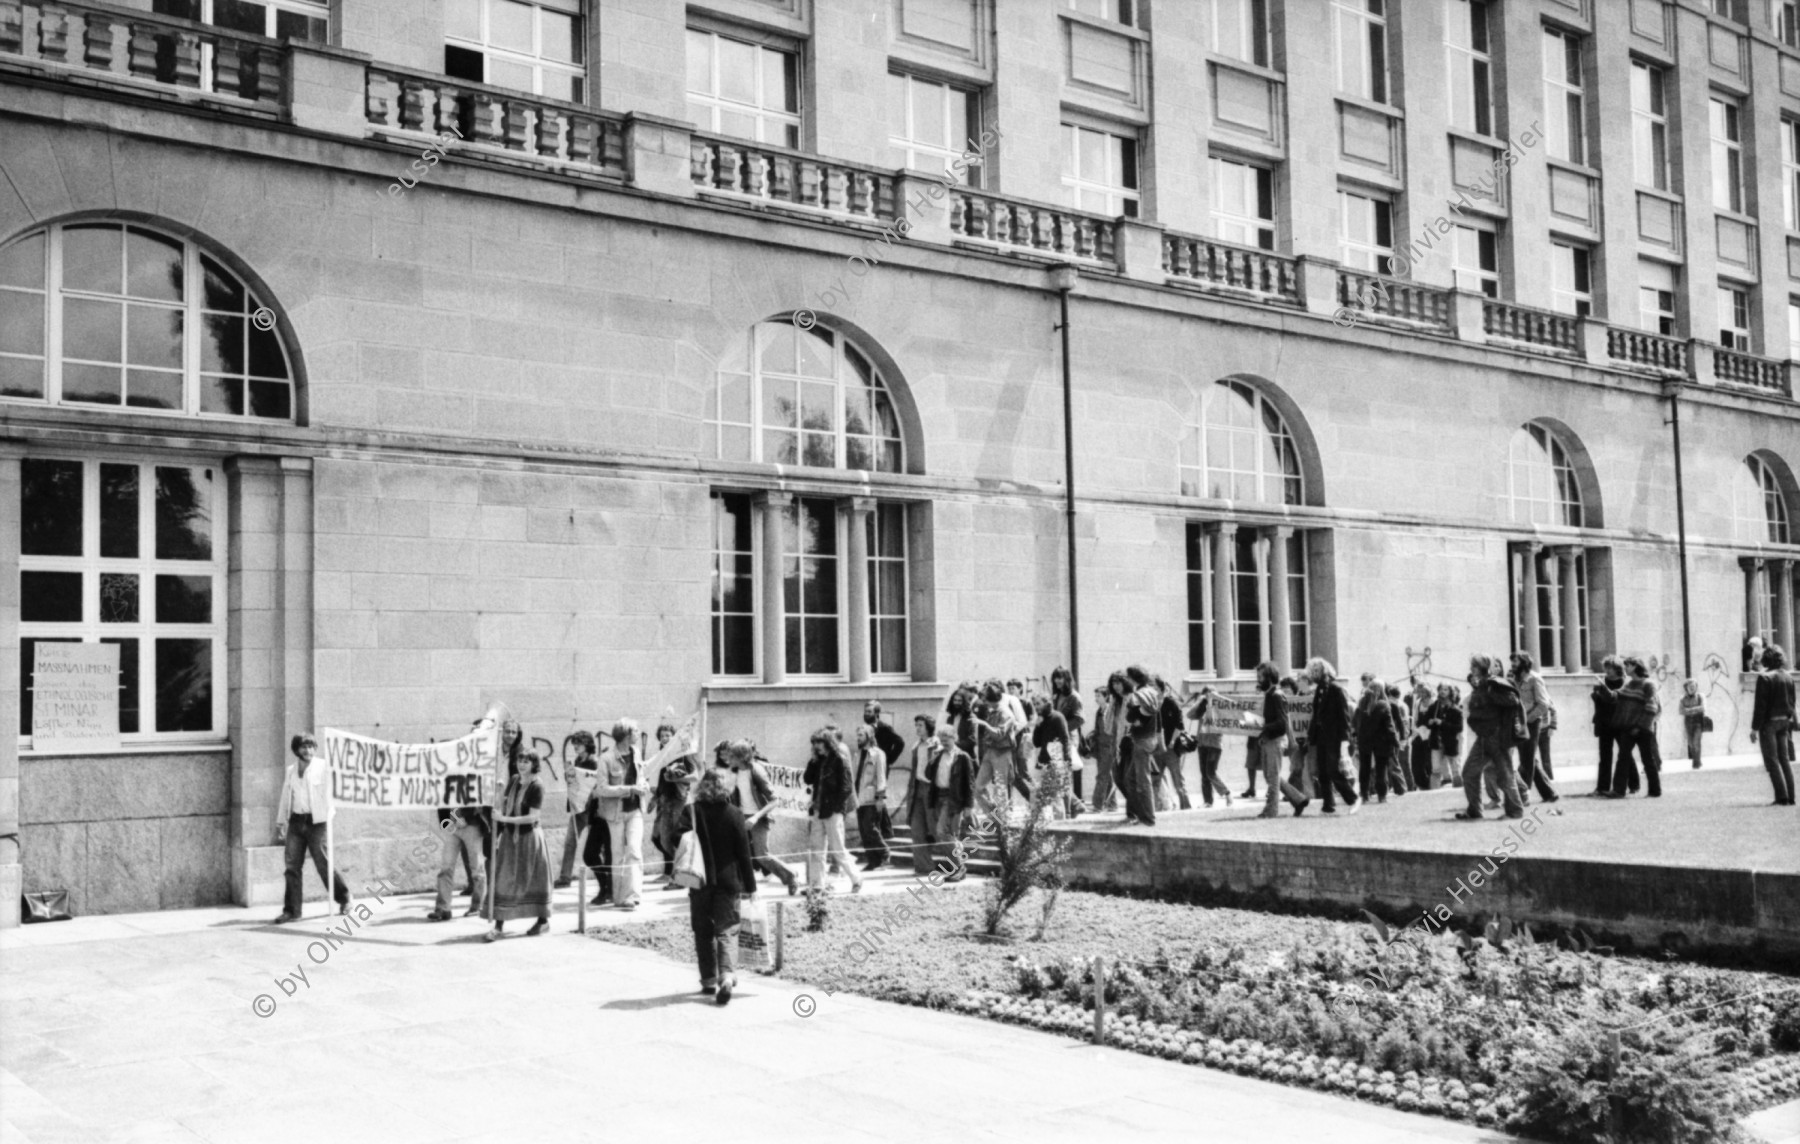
369,774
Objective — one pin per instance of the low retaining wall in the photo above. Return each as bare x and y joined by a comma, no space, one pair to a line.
1697,911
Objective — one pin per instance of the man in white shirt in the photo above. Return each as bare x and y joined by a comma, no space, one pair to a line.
303,795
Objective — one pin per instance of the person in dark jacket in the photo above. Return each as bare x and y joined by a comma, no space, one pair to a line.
1378,738
1772,720
1271,739
1634,713
713,908
1613,753
1419,704
828,774
1330,728
1143,741
754,796
1168,761
950,774
891,742
1446,735
1212,746
1067,702
1494,712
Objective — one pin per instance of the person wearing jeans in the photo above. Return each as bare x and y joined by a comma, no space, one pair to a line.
828,774
1494,711
949,775
1329,728
1270,741
1772,723
582,776
465,831
713,908
1635,717
1143,722
1211,749
1534,696
871,797
623,792
302,794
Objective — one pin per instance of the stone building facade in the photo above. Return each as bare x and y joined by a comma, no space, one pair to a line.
387,358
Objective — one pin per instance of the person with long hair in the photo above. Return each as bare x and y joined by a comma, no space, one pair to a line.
302,826
1693,718
1329,730
1534,696
871,797
623,792
583,774
1143,742
468,833
713,909
1377,739
1494,710
1211,746
1772,719
833,788
1419,705
1446,724
521,856
1104,741
1635,717
1067,702
1271,739
674,782
1615,751
997,734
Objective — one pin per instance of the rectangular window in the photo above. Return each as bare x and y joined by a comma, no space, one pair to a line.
1656,298
745,90
1466,45
733,586
1571,287
128,553
887,590
276,19
538,47
1477,264
1299,618
1794,329
1790,172
1546,644
1250,588
1100,170
1784,21
931,125
1649,127
1564,108
1243,203
1239,30
1366,233
809,563
1727,156
1360,32
1734,317
1115,11
1199,594
1249,592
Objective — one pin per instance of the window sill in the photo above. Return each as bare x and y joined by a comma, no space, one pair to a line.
206,747
887,691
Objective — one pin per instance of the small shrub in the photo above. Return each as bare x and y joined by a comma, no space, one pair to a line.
818,909
1030,857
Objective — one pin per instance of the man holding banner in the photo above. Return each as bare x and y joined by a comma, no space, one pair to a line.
303,823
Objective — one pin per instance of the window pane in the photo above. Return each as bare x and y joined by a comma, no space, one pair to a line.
153,336
509,25
699,63
737,70
266,359
21,377
222,343
240,16
221,395
145,389
28,675
50,504
128,684
294,26
119,511
21,322
50,597
93,258
781,80
184,685
561,37
183,599
271,399
821,646
118,598
183,514
153,264
91,329
221,289
891,639
22,263
738,635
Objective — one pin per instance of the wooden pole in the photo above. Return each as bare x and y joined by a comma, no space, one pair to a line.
581,901
780,928
1099,1000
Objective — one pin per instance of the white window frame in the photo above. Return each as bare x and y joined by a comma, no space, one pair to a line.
1542,487
1734,316
1250,43
1567,295
146,566
1359,232
1546,647
1725,121
717,616
1793,318
1197,466
1360,73
1238,191
1113,11
1469,66
1656,301
193,311
876,558
1468,257
1759,509
788,124
534,60
311,9
1784,21
1790,172
844,377
930,158
1650,125
1120,199
1565,100
840,556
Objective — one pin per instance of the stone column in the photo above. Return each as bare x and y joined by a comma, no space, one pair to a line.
1224,539
1281,646
1571,608
1259,548
1783,572
857,575
1528,603
12,874
774,623
1753,596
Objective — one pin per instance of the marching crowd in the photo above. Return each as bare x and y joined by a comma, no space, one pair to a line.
1306,736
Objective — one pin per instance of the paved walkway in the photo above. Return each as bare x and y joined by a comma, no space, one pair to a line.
140,1028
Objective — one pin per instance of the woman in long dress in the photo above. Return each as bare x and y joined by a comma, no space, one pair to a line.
521,856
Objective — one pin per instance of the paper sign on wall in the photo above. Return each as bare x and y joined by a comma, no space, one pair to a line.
75,697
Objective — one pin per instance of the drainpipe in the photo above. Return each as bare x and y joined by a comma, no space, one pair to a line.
1687,639
1064,278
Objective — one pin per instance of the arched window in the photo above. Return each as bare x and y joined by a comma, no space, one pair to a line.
1241,450
805,397
1540,480
98,314
1759,509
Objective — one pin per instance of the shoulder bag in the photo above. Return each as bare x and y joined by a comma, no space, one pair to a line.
690,863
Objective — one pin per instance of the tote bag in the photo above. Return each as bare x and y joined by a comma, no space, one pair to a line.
754,941
690,864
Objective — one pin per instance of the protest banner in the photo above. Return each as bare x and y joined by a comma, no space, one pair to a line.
788,785
369,774
75,697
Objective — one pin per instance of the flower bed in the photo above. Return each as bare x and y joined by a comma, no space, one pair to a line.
1512,1033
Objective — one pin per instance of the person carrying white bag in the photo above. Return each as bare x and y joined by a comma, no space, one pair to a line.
712,859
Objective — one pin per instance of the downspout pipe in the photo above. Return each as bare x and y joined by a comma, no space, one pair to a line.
1064,279
1687,638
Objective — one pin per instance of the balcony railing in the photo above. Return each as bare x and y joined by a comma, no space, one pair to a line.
144,51
755,172
495,121
1539,330
1735,368
1235,269
1646,351
1397,301
1033,227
